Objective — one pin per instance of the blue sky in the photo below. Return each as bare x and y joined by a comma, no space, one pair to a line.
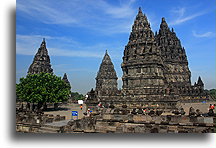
78,32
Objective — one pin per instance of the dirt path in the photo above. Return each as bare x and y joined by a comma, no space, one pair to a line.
67,113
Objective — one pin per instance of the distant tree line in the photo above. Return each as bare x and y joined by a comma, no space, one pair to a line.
76,96
211,93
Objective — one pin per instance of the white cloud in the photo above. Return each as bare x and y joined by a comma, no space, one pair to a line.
95,15
180,11
62,46
44,13
123,11
202,35
181,17
28,45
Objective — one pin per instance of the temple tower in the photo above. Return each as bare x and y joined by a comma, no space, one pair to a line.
65,79
142,63
106,80
199,85
200,82
174,57
41,62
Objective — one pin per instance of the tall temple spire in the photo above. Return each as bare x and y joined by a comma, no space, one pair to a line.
141,22
200,82
65,79
41,62
142,60
172,54
141,29
140,14
168,37
106,68
163,24
106,80
43,43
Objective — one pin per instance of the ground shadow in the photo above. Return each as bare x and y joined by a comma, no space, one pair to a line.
57,109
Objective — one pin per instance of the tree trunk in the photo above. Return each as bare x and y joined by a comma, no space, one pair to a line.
33,107
56,106
39,105
28,106
45,106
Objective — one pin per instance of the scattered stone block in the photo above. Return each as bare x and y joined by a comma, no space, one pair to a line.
185,119
138,118
208,120
107,116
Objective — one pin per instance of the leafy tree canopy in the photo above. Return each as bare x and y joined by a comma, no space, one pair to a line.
43,87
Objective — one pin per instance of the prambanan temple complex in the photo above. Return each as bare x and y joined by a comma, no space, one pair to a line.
155,71
156,83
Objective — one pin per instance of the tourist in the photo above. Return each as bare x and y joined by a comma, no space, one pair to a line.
144,111
88,113
212,106
100,105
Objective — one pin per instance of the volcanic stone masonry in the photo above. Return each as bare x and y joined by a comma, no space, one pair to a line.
41,62
65,79
155,70
106,80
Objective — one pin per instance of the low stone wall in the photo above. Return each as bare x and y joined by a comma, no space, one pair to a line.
117,123
27,128
33,118
142,124
31,121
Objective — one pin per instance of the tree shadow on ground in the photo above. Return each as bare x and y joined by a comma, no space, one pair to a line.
57,109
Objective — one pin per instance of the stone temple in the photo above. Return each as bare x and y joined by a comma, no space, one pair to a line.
65,79
155,71
106,80
41,62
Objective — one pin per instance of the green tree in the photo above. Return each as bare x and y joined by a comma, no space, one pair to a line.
41,88
77,96
212,92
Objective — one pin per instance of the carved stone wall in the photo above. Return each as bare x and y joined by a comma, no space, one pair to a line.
142,63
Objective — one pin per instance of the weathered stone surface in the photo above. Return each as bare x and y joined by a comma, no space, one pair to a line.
65,79
142,63
107,116
185,119
41,62
208,120
106,80
156,65
92,125
138,118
